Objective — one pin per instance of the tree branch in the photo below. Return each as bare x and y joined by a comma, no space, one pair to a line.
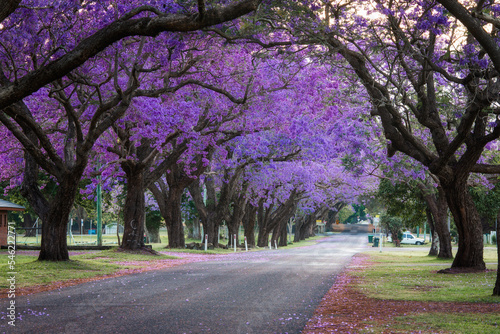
119,29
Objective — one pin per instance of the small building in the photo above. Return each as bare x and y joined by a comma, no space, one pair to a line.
5,207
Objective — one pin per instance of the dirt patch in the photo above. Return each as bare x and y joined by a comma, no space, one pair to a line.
344,309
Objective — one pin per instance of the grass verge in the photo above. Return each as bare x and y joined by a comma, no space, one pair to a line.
31,272
448,323
412,275
400,291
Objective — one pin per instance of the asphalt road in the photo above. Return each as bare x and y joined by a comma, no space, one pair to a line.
256,292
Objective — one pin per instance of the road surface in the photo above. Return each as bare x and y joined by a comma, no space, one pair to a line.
257,292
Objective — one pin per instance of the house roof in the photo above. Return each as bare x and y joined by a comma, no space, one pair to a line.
6,205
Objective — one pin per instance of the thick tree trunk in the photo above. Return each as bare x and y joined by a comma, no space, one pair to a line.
280,234
276,217
54,245
134,208
306,226
298,226
496,289
249,224
470,230
211,228
263,221
263,236
439,210
312,227
173,219
169,201
233,224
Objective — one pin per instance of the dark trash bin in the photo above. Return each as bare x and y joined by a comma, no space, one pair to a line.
376,241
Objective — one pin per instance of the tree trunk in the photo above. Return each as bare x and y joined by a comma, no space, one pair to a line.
54,245
134,208
232,230
496,289
439,210
154,235
263,236
249,224
211,227
54,228
305,228
298,226
262,219
470,230
28,224
312,227
195,232
233,224
441,226
276,234
280,234
173,218
434,237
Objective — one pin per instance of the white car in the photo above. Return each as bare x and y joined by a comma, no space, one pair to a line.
409,238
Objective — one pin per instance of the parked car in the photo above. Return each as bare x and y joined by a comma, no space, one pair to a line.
409,238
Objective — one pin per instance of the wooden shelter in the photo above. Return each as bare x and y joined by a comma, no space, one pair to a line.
5,207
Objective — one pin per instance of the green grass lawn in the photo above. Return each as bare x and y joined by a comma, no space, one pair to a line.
412,276
31,272
448,323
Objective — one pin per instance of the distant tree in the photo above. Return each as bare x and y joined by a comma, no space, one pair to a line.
403,201
359,214
395,227
488,204
345,213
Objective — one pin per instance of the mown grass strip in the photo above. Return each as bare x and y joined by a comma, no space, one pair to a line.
413,276
427,323
31,272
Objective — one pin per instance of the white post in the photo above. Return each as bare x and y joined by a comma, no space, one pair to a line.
270,245
81,232
218,236
234,241
246,245
206,242
275,244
